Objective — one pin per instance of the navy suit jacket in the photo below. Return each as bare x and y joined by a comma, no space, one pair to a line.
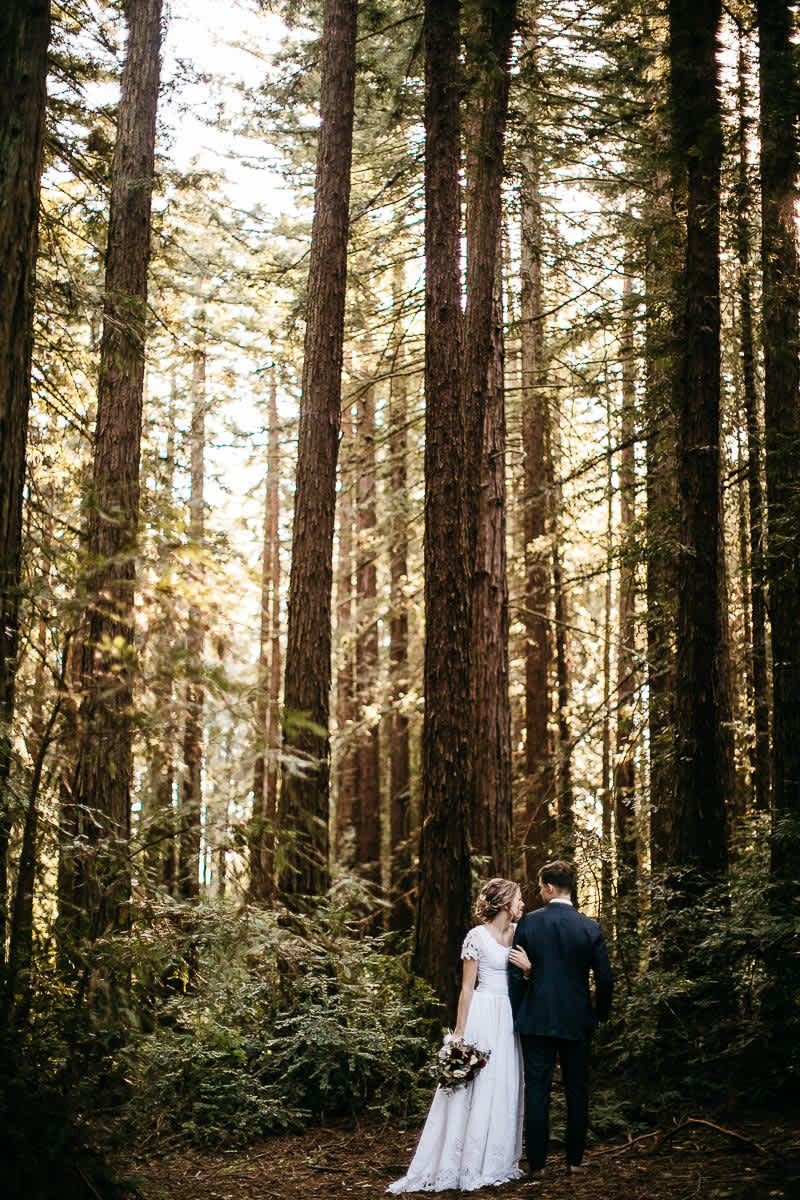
564,946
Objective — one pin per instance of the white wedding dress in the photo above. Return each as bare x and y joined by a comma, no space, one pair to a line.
472,1137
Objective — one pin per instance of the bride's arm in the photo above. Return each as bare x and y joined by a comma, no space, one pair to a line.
469,975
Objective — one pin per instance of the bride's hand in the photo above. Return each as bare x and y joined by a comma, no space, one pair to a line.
518,958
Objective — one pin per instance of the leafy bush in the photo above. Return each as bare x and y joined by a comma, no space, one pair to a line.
275,1023
716,1012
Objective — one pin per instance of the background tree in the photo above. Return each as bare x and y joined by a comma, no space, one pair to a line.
303,805
24,37
781,313
104,768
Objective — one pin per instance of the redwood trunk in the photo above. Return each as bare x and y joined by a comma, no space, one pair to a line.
103,776
368,747
539,766
701,770
781,312
267,698
191,793
24,38
304,798
443,898
399,746
488,40
754,546
624,769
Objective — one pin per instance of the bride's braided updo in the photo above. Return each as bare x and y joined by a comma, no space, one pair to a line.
493,897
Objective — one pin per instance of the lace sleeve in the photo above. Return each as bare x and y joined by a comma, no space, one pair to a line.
471,947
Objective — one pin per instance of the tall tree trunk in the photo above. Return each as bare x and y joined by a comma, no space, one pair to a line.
661,520
191,793
539,766
624,769
488,35
701,770
565,815
264,767
758,651
103,774
346,759
401,917
368,746
443,896
304,798
24,38
606,793
781,311
160,832
275,658
491,819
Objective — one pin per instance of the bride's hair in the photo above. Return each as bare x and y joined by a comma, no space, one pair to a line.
493,897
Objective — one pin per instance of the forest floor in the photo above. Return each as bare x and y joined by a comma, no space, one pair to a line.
757,1158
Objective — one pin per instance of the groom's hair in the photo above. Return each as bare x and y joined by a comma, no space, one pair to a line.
559,875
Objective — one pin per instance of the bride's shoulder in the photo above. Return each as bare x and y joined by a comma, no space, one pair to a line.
472,942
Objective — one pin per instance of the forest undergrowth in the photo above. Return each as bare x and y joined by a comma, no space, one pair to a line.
252,1047
684,1158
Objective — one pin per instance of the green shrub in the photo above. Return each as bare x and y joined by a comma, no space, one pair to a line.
275,1023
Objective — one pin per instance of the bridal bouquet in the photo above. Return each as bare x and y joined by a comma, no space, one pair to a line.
457,1063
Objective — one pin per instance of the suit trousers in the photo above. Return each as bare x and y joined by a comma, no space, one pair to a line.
539,1058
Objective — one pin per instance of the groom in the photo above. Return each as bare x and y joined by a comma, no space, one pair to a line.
553,1011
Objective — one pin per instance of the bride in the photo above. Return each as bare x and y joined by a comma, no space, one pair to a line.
472,1137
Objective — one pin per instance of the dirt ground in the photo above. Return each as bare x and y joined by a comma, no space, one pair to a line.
753,1157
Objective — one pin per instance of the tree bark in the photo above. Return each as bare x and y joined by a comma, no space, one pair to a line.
402,913
443,896
781,309
661,518
24,38
701,768
491,820
624,768
191,791
103,776
539,765
267,698
368,790
755,547
488,31
304,797
346,760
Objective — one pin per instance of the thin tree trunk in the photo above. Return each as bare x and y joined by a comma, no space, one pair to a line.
24,38
757,650
346,761
161,852
443,897
264,767
781,315
104,769
304,797
368,790
565,816
402,914
607,799
624,769
275,662
661,523
539,765
191,794
492,807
